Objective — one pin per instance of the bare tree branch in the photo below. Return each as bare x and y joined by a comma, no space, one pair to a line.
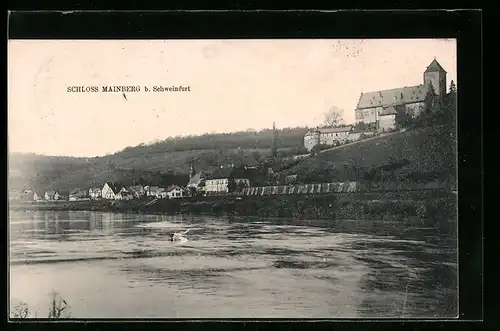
333,117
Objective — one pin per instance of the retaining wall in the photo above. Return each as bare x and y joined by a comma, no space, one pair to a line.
339,187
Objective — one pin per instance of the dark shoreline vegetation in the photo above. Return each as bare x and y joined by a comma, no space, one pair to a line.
430,205
58,309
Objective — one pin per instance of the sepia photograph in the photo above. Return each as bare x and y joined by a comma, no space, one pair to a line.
232,179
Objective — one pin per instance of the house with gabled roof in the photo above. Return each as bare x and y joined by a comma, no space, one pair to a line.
137,190
174,192
220,180
196,180
124,194
38,196
160,193
79,195
95,193
51,195
411,99
110,190
151,191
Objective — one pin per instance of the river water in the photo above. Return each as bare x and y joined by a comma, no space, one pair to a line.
108,265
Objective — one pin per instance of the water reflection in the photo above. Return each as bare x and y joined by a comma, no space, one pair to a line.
237,266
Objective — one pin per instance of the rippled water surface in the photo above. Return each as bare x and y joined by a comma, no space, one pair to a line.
123,266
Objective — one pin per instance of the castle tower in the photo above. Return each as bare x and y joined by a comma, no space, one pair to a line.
311,139
436,75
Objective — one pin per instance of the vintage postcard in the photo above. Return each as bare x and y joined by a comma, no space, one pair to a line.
280,178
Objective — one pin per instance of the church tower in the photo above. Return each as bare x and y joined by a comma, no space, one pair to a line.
436,75
192,172
274,148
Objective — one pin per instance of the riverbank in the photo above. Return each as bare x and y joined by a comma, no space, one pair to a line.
434,205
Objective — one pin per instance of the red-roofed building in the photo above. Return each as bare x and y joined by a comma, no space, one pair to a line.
411,99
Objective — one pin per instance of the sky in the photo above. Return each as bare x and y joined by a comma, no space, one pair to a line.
234,85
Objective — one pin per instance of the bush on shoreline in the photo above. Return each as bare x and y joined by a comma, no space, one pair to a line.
58,309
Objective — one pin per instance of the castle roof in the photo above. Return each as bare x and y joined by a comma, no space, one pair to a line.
388,111
312,132
337,129
393,97
435,66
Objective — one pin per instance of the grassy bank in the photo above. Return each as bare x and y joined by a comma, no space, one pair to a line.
430,205
418,155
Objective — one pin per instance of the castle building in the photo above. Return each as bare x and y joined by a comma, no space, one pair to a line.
326,136
412,99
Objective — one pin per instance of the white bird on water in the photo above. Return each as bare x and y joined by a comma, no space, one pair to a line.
174,236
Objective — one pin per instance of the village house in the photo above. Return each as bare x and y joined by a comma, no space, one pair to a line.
79,195
110,190
63,195
38,196
175,191
29,195
124,194
137,190
196,180
219,180
161,193
151,190
410,99
326,136
95,193
51,196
